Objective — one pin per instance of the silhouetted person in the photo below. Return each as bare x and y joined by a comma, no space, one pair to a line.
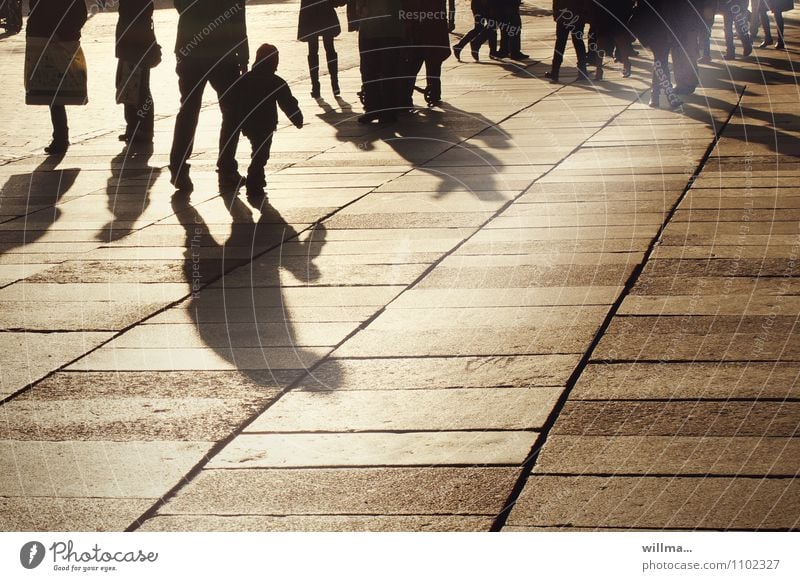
570,17
57,20
429,45
211,47
138,52
263,92
484,28
655,21
318,19
778,7
380,44
510,29
609,20
734,15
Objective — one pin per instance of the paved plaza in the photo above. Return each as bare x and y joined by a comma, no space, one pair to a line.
537,307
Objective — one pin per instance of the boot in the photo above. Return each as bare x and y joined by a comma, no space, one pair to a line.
313,69
333,71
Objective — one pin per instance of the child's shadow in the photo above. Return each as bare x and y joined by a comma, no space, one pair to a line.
248,317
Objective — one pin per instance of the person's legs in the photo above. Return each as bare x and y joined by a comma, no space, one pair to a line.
779,25
433,72
727,23
58,117
191,82
469,36
259,156
562,33
580,48
139,118
223,79
313,65
333,63
740,21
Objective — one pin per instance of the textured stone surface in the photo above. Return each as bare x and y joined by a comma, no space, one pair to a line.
659,503
409,410
376,491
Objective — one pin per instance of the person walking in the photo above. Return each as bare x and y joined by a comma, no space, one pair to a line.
734,15
54,29
570,17
510,30
484,28
263,91
317,20
609,19
138,52
211,47
381,49
429,46
777,7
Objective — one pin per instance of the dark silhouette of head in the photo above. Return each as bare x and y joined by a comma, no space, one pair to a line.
267,57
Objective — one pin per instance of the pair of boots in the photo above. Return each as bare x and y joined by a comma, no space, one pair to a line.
333,71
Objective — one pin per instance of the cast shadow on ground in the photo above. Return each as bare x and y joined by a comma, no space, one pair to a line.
33,198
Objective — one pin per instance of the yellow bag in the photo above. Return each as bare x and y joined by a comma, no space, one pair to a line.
55,72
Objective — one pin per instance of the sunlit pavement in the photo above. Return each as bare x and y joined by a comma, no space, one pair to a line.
536,307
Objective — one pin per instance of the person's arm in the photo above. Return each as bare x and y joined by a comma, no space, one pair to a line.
289,105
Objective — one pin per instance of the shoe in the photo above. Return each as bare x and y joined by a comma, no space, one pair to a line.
181,181
729,56
748,50
552,76
57,148
457,52
231,180
520,56
704,60
779,45
583,76
475,55
766,43
626,70
494,55
256,195
123,137
655,100
674,102
501,54
313,69
367,118
598,74
333,71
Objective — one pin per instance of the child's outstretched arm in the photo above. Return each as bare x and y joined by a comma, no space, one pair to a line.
289,106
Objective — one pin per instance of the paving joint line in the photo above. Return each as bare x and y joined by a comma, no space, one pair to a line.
529,464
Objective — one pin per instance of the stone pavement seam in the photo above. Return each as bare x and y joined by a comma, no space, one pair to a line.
629,284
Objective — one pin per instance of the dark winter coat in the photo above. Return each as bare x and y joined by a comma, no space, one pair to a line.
379,19
432,34
211,29
318,18
62,19
262,92
135,37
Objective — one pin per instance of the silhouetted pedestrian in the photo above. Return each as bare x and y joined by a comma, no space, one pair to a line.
735,15
570,17
429,44
380,45
211,47
510,29
318,20
484,28
138,52
653,22
609,20
263,91
53,50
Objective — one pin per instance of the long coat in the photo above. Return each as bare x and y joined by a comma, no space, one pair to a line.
431,35
60,18
318,18
134,34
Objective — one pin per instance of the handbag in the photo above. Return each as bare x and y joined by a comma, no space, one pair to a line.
55,72
130,83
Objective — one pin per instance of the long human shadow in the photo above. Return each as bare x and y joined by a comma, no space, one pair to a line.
128,189
426,134
32,198
246,317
